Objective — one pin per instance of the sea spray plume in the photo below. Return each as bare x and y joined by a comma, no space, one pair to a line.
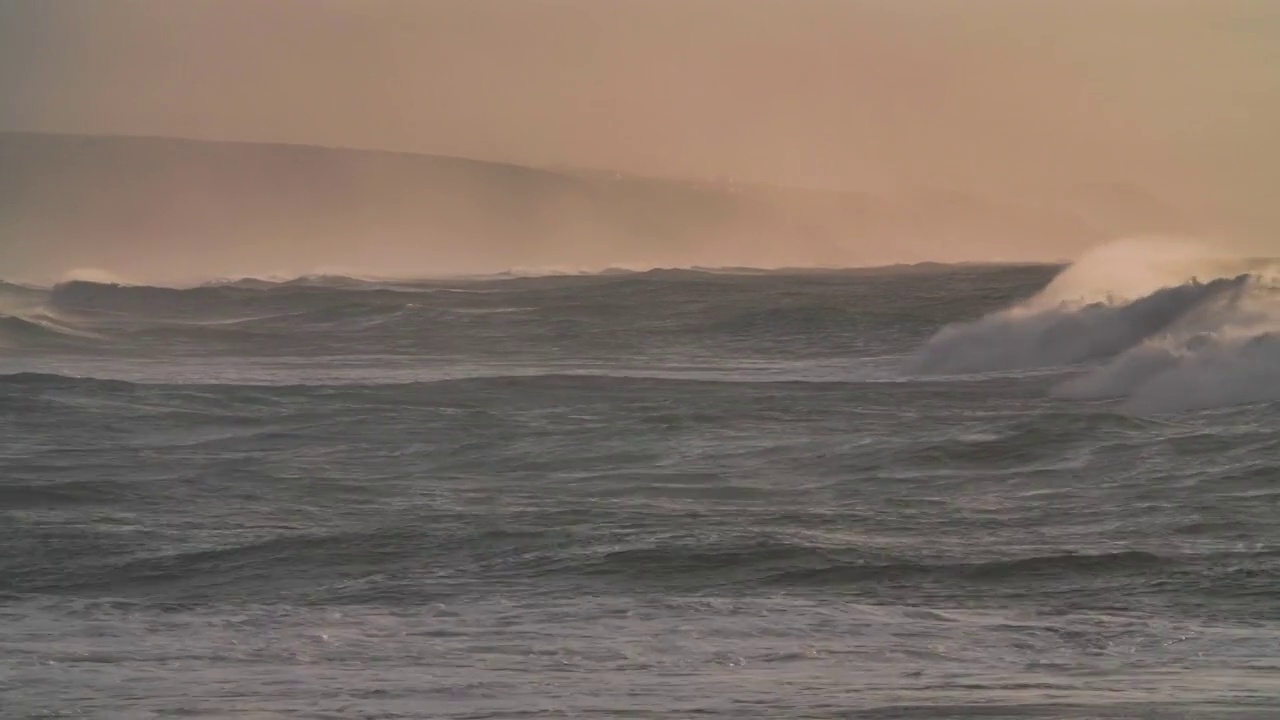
1133,268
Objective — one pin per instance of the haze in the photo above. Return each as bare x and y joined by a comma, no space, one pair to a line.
1054,125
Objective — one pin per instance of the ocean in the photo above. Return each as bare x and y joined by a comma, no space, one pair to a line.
916,492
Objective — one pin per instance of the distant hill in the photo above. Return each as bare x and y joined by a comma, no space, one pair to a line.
165,208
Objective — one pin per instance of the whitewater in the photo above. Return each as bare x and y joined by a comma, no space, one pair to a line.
1022,491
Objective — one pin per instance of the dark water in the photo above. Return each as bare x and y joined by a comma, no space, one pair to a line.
658,495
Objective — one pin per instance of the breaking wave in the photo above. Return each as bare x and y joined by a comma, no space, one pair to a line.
1162,328
26,321
35,329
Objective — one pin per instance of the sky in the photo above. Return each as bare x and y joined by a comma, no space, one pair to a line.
1177,97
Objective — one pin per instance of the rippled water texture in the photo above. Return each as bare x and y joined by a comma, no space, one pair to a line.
933,493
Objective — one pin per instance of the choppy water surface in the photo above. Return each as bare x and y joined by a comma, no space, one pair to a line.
667,494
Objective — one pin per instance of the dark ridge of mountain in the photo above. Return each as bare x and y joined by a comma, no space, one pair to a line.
156,209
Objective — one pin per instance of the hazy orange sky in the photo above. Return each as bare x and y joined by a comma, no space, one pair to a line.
1178,97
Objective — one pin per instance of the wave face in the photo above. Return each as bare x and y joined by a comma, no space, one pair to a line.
1025,491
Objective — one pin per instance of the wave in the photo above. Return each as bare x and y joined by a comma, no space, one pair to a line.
11,292
332,282
345,280
15,330
39,328
1165,342
209,297
479,378
1016,569
1199,372
325,314
331,560
142,300
348,316
134,307
1028,339
234,295
40,379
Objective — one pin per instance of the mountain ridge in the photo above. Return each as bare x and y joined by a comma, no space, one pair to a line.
156,208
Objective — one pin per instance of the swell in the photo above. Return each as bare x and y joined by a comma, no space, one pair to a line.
424,557
18,494
335,317
18,383
36,329
653,284
693,314
216,302
1055,568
